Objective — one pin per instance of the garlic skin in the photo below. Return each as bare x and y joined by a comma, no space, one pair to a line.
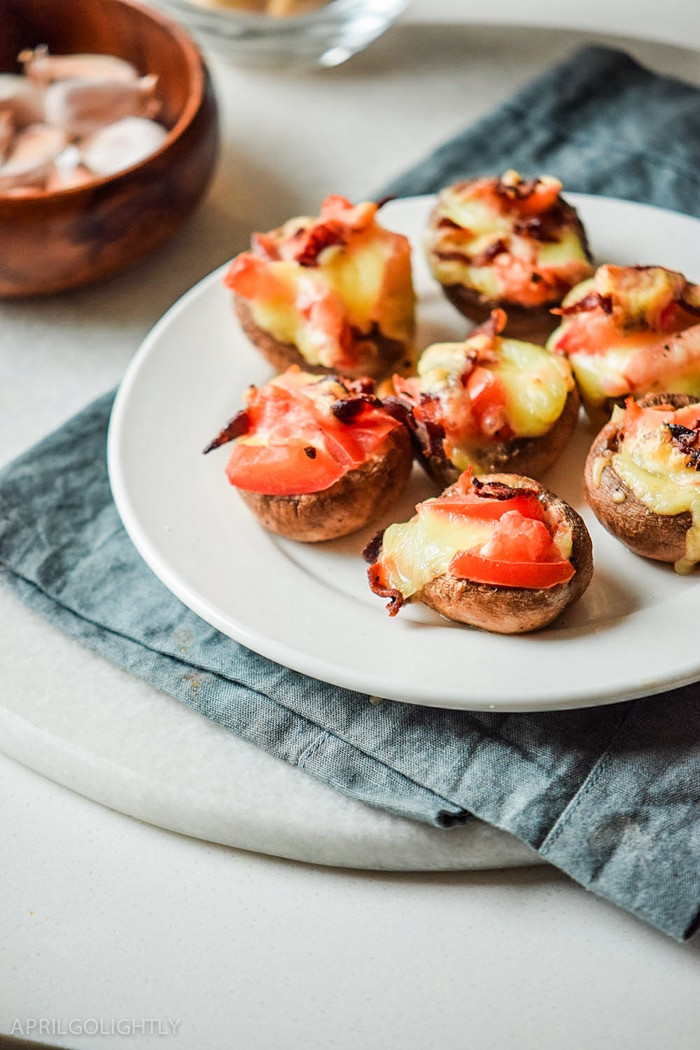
21,98
31,156
67,171
43,68
83,106
120,145
7,132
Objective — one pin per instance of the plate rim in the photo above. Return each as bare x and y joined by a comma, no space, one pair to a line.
318,667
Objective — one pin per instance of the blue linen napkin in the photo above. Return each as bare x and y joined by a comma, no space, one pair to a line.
609,795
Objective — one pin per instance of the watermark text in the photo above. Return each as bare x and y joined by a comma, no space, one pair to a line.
35,1026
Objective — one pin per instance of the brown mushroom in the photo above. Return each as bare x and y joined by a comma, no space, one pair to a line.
373,354
512,254
661,537
528,456
356,499
506,609
532,324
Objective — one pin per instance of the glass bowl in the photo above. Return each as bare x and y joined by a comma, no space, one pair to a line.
295,34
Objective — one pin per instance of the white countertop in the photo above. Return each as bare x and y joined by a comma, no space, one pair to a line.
105,918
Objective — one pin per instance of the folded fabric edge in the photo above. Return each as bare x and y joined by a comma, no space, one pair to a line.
652,866
342,767
289,735
506,132
376,784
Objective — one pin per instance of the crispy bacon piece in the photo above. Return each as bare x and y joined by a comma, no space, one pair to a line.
589,302
497,247
377,585
347,408
452,256
687,440
360,385
397,409
545,228
422,419
371,551
240,424
516,190
606,303
498,490
316,239
445,223
435,432
371,554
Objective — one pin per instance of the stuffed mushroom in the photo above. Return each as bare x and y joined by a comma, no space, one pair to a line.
491,403
499,552
330,294
642,478
316,457
511,243
630,330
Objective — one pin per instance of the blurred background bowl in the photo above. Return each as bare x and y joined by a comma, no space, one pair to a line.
293,35
51,241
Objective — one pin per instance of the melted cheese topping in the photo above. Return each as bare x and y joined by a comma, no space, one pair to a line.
634,346
416,552
566,255
600,376
314,395
658,474
535,384
481,226
365,283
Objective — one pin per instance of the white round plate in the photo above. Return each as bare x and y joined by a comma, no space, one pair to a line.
309,607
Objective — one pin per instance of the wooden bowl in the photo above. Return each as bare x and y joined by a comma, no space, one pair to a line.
56,240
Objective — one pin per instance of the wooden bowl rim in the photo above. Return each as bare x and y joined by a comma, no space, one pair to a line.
195,97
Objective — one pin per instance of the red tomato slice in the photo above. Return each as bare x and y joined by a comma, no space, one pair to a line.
277,409
518,538
488,400
481,508
638,421
533,575
519,553
354,442
290,469
301,449
589,333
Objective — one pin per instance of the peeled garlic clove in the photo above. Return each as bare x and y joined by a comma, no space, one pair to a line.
67,180
22,98
7,133
67,172
84,106
34,150
117,146
43,68
37,142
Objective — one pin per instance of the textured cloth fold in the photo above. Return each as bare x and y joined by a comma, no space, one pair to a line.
610,795
600,122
